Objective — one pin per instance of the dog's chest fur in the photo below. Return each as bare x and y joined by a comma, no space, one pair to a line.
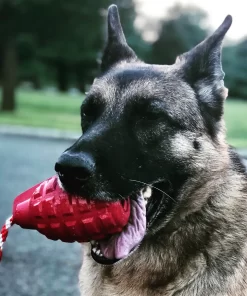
205,256
138,278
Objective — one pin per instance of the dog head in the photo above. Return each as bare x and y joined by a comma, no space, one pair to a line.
148,126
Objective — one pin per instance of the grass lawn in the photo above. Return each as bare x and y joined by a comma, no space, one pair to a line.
236,122
41,109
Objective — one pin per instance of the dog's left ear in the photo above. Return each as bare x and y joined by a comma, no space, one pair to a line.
116,49
202,69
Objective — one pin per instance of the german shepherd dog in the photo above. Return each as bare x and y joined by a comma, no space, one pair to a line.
155,133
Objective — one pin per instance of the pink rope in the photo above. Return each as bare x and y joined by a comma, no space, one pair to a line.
4,233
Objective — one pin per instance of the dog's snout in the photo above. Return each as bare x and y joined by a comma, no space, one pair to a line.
74,169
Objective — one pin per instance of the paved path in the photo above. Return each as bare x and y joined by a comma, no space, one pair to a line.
32,265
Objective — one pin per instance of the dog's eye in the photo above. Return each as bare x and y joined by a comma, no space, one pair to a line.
152,112
147,113
153,115
90,111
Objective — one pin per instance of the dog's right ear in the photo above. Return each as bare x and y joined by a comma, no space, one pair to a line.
116,49
202,68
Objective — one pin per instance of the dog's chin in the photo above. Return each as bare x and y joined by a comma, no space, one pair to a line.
145,207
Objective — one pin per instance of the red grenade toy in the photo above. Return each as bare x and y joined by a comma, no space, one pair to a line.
48,209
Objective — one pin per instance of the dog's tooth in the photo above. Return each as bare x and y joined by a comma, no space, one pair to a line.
142,191
60,185
98,252
101,255
148,192
94,249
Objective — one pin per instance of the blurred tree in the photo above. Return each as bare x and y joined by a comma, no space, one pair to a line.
179,33
8,49
184,29
64,35
77,47
76,40
235,66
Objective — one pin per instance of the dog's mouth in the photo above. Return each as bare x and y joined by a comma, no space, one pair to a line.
144,210
147,205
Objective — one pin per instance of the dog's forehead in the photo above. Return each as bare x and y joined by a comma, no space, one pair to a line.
135,80
128,83
123,87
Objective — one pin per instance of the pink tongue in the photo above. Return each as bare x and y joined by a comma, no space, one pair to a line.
120,245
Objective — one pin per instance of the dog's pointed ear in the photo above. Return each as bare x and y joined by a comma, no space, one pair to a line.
116,49
202,69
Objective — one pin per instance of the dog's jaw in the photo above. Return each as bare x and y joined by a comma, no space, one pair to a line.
119,246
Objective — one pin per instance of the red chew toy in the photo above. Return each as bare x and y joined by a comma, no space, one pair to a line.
48,209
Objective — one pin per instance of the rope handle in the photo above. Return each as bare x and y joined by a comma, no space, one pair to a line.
4,233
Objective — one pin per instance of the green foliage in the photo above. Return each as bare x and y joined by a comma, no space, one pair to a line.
60,41
184,29
179,33
235,67
67,36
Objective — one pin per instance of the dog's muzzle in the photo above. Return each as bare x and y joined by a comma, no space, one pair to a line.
74,172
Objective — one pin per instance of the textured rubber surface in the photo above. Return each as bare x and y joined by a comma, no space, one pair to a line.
48,209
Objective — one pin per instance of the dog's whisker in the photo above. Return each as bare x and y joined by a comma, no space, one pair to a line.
120,195
150,185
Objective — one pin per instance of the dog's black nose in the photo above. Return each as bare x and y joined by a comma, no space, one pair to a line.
74,169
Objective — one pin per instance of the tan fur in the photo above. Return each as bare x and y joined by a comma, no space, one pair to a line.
139,273
197,246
